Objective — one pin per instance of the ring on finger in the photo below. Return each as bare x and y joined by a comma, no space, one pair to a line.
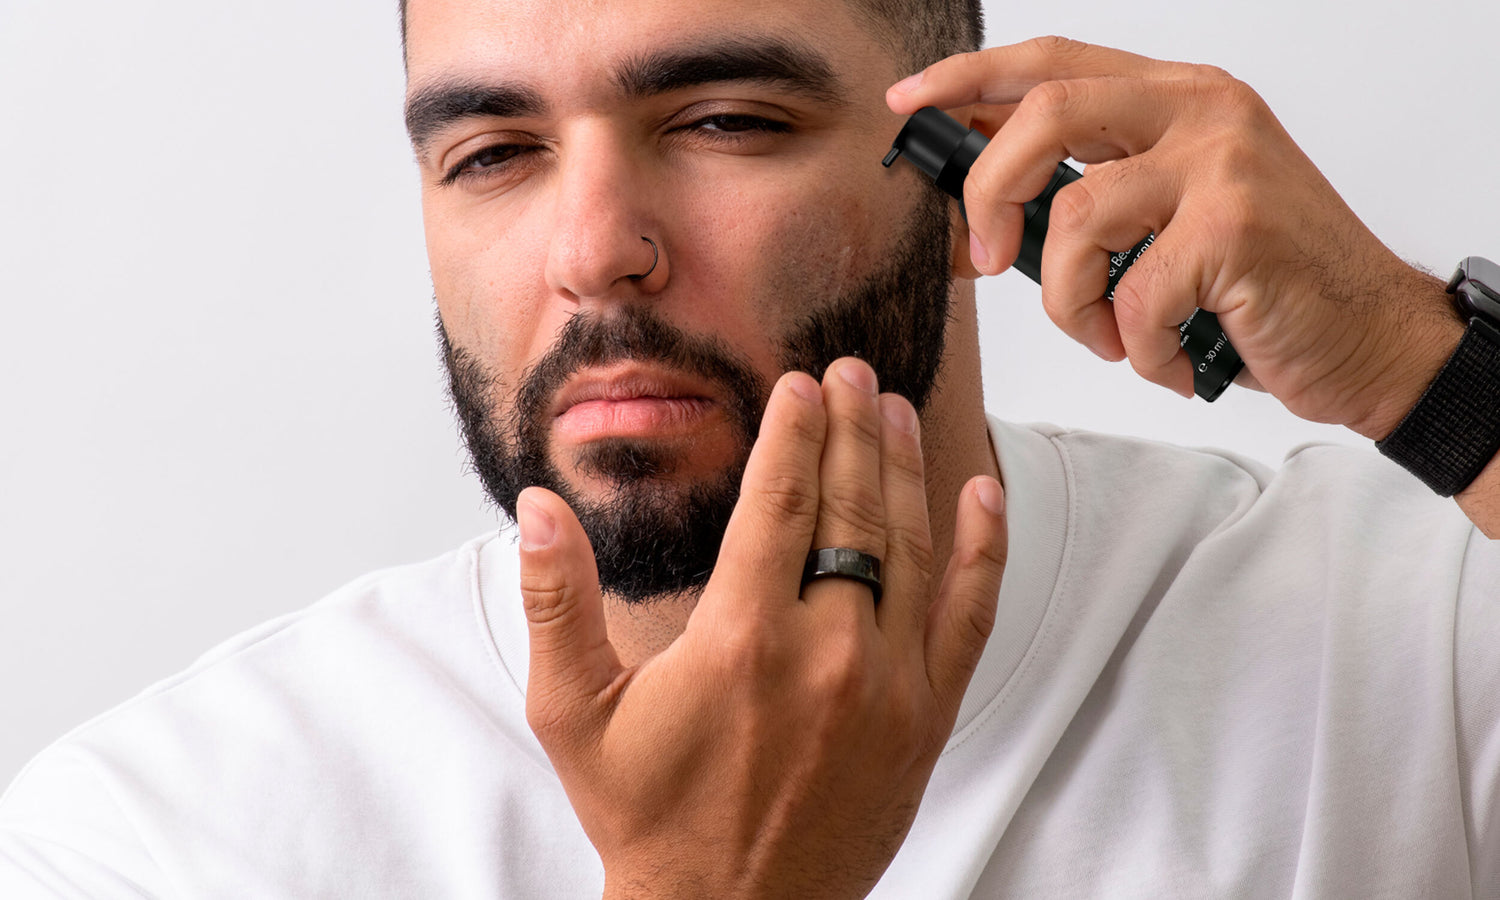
843,562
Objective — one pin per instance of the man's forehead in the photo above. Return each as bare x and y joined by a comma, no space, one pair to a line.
581,38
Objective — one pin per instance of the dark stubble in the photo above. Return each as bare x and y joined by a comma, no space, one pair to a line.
654,536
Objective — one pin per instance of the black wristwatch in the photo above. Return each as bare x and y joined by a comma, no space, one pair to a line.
1454,430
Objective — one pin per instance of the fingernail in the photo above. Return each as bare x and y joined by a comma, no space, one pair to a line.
860,375
899,413
991,496
538,530
909,83
806,387
977,253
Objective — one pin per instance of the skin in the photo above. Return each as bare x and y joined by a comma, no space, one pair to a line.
745,228
652,717
722,745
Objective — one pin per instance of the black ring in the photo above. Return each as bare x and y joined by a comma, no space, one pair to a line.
843,562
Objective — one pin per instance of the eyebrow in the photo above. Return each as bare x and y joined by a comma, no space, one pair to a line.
433,107
791,66
768,60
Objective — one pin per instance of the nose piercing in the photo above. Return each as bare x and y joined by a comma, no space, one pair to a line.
655,258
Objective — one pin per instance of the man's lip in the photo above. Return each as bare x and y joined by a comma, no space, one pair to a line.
630,382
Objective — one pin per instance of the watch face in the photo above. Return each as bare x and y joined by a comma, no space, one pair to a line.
1477,288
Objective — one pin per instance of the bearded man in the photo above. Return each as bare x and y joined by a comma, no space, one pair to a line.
787,615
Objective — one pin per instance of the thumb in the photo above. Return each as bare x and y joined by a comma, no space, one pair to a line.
573,664
963,614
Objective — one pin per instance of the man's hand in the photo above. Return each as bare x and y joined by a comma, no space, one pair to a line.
781,745
1327,318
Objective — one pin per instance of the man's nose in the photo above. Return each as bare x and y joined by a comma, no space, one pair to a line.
602,213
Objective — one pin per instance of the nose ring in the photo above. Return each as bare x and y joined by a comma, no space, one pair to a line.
655,258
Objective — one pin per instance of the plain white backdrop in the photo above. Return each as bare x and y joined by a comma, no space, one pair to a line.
220,396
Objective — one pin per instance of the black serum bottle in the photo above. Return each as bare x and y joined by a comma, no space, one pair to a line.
944,151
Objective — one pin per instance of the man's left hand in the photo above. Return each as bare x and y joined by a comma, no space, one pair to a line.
1326,318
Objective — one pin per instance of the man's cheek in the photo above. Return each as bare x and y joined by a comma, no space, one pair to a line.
817,252
492,320
453,284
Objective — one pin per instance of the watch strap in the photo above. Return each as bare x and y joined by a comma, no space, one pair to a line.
1454,430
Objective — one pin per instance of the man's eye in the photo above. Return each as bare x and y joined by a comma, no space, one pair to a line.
483,162
731,124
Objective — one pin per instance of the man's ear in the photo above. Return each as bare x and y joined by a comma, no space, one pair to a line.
959,261
984,117
988,120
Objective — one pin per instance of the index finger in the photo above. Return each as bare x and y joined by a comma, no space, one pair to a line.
765,543
1002,75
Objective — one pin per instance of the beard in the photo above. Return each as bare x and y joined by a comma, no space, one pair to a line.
652,536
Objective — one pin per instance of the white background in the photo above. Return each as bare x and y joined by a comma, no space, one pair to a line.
219,391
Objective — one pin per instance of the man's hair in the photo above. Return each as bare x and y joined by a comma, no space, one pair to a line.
925,31
921,32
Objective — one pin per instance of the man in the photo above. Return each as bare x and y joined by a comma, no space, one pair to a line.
646,229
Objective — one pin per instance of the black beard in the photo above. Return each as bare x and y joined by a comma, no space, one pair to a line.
652,537
895,320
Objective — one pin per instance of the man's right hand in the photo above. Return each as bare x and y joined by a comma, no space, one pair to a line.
782,743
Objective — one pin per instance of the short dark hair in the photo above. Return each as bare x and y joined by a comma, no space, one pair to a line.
925,31
922,31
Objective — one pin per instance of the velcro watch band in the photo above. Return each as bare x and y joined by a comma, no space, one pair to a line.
1454,430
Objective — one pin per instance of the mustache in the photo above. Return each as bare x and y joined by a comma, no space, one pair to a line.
637,334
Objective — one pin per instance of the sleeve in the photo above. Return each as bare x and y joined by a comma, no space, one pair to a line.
62,836
1476,689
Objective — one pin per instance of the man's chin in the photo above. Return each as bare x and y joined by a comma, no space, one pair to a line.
702,454
654,535
621,461
634,471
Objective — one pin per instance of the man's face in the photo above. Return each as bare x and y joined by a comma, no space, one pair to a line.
743,138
